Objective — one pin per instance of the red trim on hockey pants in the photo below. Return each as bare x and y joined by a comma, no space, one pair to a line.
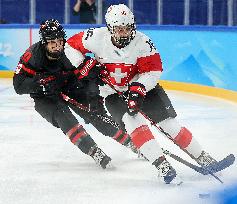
141,135
72,130
183,139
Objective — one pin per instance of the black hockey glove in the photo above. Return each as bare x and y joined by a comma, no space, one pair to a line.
136,95
47,85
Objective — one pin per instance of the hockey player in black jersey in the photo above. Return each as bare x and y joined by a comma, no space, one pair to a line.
45,73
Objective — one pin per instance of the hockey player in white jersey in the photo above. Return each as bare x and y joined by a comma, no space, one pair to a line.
133,67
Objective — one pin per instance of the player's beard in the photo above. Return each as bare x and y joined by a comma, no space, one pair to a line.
55,54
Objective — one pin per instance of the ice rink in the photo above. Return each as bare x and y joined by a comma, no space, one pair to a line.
39,165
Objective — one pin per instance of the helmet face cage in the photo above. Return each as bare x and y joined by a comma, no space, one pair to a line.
51,30
123,41
120,15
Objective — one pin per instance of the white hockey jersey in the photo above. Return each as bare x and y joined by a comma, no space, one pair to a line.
139,61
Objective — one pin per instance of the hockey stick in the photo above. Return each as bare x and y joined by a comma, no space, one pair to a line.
177,158
190,165
194,167
201,170
198,169
87,109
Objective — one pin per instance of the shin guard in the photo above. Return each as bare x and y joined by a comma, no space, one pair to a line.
186,141
143,139
80,138
121,137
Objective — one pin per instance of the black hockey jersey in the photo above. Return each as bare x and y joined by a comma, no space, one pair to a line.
34,62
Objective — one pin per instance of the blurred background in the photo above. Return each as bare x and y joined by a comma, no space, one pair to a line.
159,12
201,46
196,39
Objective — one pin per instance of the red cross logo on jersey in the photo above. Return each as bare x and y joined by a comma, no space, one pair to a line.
118,75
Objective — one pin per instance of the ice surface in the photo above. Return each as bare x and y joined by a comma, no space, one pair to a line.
39,165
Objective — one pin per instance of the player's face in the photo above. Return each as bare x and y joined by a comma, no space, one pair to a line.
55,48
122,31
55,45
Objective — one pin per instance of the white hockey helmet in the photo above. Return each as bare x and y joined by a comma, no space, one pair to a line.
120,15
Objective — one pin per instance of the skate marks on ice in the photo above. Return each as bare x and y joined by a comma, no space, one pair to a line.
38,164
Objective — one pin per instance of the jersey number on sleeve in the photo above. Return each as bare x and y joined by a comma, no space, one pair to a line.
26,57
89,33
151,44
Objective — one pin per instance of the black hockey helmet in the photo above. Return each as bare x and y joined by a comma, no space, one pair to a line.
50,30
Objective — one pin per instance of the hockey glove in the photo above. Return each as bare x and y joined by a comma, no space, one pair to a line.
85,69
46,85
90,69
136,95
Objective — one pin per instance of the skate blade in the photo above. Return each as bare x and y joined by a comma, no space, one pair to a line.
109,166
177,181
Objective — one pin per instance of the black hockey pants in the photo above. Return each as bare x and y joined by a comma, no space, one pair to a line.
156,105
59,115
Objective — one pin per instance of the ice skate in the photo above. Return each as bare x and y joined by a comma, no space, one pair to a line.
166,172
100,157
131,146
135,150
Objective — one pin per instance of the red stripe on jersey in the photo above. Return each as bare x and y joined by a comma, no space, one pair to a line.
141,135
76,42
28,70
72,130
149,63
78,136
183,139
